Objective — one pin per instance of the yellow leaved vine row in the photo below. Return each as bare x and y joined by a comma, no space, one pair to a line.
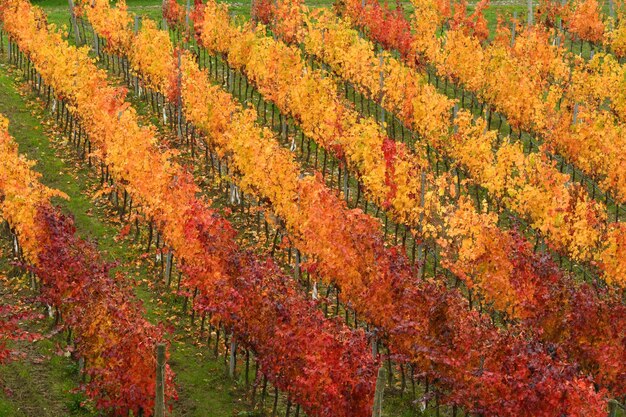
572,222
531,82
266,77
277,177
458,59
473,247
530,70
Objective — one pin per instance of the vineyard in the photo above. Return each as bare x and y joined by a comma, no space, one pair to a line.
325,209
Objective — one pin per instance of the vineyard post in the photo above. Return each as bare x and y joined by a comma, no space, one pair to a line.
233,356
159,403
377,410
360,27
455,112
74,25
135,79
560,26
513,28
96,45
530,12
323,43
296,270
346,183
168,267
611,9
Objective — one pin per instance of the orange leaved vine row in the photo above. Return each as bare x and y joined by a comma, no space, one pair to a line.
285,88
535,181
321,364
111,334
528,184
380,294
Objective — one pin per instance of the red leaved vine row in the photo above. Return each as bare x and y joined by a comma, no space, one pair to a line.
111,334
321,364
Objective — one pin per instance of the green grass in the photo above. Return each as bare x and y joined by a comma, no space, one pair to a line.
45,385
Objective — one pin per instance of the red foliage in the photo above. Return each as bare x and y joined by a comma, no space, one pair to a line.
262,11
597,345
387,26
174,14
110,330
474,24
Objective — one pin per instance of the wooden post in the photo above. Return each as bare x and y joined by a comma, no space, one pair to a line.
74,25
159,403
346,189
296,271
377,409
96,44
513,28
233,356
323,45
455,111
530,12
168,267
